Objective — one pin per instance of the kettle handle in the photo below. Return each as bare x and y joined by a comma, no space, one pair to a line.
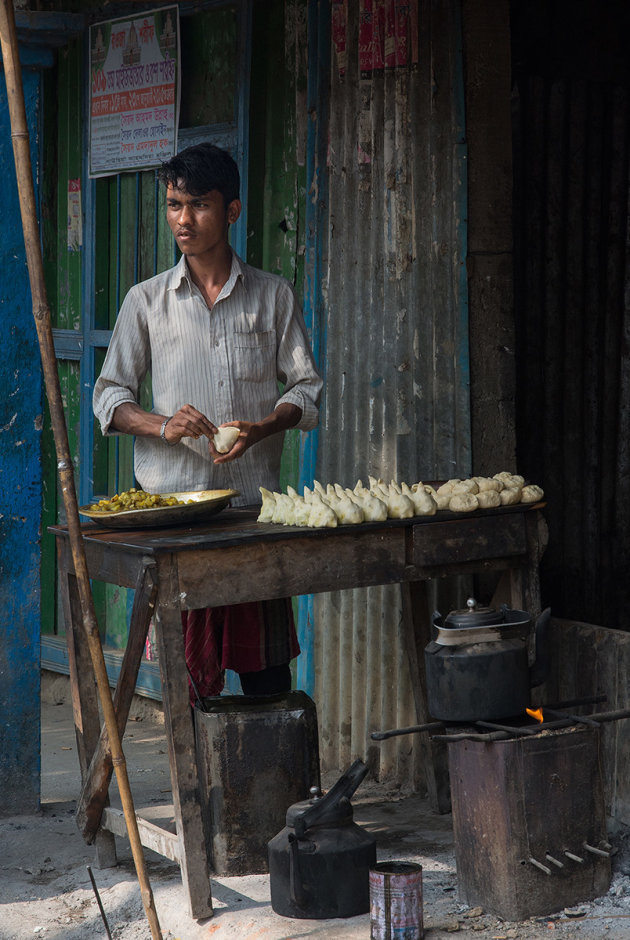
345,786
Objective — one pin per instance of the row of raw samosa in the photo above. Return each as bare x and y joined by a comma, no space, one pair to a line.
333,505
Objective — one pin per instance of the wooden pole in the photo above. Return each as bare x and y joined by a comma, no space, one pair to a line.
41,313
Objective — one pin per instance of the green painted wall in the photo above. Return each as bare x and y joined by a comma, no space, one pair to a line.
132,241
277,191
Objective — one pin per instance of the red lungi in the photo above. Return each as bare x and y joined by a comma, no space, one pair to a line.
242,637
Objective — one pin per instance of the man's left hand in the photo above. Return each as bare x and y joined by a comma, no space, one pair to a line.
285,416
247,436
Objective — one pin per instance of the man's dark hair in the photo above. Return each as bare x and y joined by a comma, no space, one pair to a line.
200,169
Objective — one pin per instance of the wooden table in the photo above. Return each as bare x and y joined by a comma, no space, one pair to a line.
231,559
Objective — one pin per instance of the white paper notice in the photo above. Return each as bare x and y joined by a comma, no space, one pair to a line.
134,92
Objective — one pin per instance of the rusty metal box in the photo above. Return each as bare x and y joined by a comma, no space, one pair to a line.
256,756
524,812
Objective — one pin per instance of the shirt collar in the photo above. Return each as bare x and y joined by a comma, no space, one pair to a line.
180,273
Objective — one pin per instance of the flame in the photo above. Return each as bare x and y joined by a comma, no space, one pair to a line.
535,713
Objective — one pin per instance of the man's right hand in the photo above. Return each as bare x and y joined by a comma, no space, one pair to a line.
188,422
130,418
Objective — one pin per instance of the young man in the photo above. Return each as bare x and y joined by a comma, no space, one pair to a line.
216,336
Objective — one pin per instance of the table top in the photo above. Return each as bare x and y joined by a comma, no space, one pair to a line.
234,527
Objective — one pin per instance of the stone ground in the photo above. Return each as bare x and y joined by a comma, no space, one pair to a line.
46,892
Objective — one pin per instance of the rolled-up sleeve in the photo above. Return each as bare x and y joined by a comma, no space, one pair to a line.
126,362
296,365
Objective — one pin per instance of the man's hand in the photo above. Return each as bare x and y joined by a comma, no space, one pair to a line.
285,416
248,435
130,418
188,422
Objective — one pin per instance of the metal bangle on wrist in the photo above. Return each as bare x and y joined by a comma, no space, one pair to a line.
163,433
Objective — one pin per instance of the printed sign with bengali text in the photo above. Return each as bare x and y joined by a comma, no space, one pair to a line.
134,91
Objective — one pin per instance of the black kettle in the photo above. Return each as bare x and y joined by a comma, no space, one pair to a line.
319,864
480,666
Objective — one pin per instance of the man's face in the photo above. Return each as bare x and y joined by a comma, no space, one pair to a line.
199,223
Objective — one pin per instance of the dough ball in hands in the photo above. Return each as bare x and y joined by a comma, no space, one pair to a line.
225,439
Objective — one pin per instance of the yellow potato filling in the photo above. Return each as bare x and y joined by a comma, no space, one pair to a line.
135,499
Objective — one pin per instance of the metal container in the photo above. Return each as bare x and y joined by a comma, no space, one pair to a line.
478,666
319,864
396,901
256,755
529,822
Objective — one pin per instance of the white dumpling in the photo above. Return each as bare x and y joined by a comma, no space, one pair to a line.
284,512
488,483
510,495
510,479
374,509
400,506
321,515
488,499
347,511
532,493
268,505
445,489
463,502
424,503
318,488
465,486
302,511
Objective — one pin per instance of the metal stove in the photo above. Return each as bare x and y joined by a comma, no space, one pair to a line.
528,809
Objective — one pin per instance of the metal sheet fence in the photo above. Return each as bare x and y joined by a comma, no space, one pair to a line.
396,401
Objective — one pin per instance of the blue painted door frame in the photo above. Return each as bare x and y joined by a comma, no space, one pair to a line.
318,100
21,487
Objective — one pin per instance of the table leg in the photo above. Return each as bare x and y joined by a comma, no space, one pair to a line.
417,632
84,695
178,723
98,776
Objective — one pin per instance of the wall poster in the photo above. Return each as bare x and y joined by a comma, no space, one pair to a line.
134,91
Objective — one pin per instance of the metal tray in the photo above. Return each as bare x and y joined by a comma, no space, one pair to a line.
206,503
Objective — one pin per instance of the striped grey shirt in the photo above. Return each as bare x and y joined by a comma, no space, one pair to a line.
225,361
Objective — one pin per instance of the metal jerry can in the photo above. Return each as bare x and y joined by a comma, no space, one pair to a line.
255,754
319,864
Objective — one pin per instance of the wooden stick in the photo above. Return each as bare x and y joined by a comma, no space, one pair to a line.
41,313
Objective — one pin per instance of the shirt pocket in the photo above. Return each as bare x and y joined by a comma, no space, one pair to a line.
255,356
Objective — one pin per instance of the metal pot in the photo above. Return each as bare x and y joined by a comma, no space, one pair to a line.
479,667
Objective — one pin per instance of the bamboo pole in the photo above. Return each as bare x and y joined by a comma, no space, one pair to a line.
41,313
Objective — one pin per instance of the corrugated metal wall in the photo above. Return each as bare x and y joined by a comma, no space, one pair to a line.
396,401
572,285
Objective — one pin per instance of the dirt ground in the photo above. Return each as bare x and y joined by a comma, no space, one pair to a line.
46,892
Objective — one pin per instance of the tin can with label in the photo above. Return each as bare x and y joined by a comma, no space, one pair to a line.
396,901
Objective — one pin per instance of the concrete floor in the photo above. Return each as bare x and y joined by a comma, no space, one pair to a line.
44,859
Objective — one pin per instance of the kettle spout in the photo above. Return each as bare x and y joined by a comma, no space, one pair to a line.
540,669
